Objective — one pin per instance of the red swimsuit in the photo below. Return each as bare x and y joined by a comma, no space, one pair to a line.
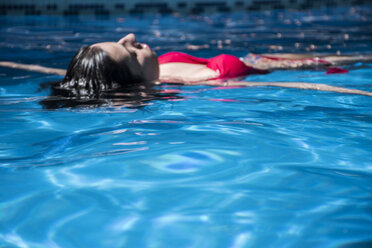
227,66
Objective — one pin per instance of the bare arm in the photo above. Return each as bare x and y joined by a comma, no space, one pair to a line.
296,85
36,68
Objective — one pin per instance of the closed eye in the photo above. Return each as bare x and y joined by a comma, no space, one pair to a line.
137,45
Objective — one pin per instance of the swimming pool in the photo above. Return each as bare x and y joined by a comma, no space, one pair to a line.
215,167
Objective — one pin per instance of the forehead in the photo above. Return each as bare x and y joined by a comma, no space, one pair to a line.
114,50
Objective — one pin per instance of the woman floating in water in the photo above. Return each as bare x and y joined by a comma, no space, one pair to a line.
127,64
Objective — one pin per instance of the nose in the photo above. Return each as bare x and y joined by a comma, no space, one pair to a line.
128,38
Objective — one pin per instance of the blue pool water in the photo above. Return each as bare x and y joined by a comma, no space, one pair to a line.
215,167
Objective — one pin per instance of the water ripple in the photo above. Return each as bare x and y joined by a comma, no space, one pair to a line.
218,167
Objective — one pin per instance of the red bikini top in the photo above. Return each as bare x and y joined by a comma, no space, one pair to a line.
227,66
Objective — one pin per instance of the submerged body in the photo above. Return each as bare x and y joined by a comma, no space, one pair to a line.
178,67
134,67
223,66
181,67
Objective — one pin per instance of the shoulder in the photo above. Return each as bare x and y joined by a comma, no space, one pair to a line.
179,57
172,54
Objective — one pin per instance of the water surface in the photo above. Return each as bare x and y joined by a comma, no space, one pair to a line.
214,167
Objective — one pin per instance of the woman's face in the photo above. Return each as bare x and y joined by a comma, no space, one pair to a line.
139,57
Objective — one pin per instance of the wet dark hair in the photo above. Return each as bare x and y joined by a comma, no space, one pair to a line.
92,71
94,79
